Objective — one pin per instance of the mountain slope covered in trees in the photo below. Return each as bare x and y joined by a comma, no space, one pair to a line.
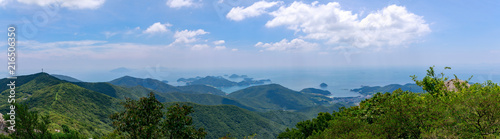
277,97
462,111
81,109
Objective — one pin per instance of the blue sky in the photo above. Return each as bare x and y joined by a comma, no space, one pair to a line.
101,35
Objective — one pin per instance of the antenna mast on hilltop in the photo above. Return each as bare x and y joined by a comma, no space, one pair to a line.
42,70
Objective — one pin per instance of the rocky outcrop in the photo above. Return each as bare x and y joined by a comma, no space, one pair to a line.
450,84
3,124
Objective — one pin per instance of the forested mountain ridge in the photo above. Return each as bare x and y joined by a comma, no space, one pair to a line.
276,97
66,78
153,84
67,104
201,89
120,92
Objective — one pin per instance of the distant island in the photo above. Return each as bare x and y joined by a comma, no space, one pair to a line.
370,90
219,81
315,91
323,85
234,76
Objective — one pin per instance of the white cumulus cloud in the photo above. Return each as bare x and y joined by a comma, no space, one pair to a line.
393,25
157,28
220,47
199,47
219,42
179,3
187,36
295,45
256,9
72,4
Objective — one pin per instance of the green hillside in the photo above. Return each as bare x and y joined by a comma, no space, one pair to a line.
36,81
312,112
286,118
115,91
205,99
220,120
276,97
201,89
67,104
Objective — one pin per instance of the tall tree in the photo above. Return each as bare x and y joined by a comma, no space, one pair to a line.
27,124
178,124
144,119
140,119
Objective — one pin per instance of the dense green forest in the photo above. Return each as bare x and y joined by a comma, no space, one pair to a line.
447,109
277,97
65,108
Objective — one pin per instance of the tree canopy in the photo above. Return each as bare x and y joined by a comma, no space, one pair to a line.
144,118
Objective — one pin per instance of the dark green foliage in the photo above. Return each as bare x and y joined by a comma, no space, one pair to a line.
178,124
432,83
205,99
140,119
72,105
307,128
83,110
467,112
120,92
105,88
29,124
144,118
312,112
201,89
38,80
286,118
315,91
219,120
276,97
26,122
